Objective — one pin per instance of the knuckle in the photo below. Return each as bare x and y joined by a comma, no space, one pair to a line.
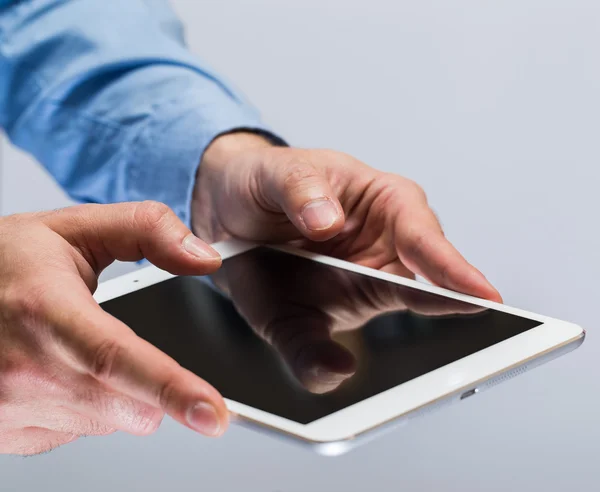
128,414
297,173
415,190
147,420
152,215
103,359
416,244
88,427
26,302
166,392
410,189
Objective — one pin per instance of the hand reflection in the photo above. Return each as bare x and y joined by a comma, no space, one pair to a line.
298,305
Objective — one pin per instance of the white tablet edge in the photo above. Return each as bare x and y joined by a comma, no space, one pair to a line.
384,407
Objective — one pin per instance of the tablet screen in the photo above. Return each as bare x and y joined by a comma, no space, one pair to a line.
301,339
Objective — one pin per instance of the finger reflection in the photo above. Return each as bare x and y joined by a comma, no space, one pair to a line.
298,307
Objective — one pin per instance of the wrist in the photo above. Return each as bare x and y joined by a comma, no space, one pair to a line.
224,147
211,177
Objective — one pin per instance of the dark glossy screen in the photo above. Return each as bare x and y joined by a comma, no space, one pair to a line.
302,340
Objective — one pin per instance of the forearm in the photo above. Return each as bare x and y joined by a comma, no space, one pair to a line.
110,101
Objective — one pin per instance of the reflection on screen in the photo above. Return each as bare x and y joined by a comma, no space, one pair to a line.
302,340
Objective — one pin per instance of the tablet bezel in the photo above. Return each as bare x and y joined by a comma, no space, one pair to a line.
405,398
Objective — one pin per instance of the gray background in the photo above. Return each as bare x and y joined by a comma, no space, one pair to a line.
494,108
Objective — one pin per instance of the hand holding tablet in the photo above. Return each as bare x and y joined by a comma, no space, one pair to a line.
316,349
66,367
321,350
326,352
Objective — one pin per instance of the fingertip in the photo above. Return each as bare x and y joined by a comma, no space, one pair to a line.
224,423
321,219
495,296
146,422
199,249
199,258
481,287
205,418
211,265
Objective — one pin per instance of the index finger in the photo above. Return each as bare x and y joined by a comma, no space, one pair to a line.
422,247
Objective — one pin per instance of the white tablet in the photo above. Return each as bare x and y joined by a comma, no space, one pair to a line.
326,352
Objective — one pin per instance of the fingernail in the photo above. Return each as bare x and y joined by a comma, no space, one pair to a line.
319,214
199,248
203,418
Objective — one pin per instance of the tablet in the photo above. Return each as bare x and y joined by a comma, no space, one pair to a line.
326,352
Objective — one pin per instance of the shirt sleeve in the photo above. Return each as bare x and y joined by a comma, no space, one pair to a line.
107,97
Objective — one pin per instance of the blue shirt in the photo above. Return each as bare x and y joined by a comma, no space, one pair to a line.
107,97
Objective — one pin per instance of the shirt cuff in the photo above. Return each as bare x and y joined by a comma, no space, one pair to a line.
165,156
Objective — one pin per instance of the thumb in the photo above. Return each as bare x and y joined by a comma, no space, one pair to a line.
306,197
101,346
133,231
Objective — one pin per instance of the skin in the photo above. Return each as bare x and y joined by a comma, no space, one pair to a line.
327,202
69,369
